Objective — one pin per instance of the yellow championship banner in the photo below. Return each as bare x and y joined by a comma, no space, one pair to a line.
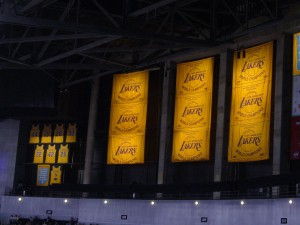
194,77
132,87
128,118
192,112
296,54
42,178
251,104
253,65
126,149
249,142
193,104
191,145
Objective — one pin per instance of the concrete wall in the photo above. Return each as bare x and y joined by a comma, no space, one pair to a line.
163,212
9,130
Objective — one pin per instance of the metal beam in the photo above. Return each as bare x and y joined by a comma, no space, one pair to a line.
50,38
55,66
152,7
199,31
76,50
135,48
30,5
45,23
108,61
19,43
54,31
232,13
93,76
28,65
108,16
268,9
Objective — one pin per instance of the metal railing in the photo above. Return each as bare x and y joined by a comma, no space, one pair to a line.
256,193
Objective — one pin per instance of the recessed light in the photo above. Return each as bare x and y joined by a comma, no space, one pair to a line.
66,201
290,201
242,202
152,203
20,199
105,201
196,203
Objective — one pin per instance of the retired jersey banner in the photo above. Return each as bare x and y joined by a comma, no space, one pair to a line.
128,118
34,135
251,104
295,138
43,175
38,154
192,116
296,54
191,145
296,96
126,149
58,136
55,175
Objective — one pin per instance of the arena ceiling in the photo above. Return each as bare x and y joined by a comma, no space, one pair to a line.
74,41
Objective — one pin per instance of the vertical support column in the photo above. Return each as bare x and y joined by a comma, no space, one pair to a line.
163,124
279,70
220,121
90,134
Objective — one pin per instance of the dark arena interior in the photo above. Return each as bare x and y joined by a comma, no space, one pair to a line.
149,112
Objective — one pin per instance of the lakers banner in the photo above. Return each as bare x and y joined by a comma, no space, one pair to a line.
128,118
43,175
192,112
295,140
249,142
132,87
296,54
253,65
126,149
194,77
251,104
192,116
191,145
296,96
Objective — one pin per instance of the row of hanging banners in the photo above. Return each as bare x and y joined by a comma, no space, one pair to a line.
249,117
295,120
250,114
